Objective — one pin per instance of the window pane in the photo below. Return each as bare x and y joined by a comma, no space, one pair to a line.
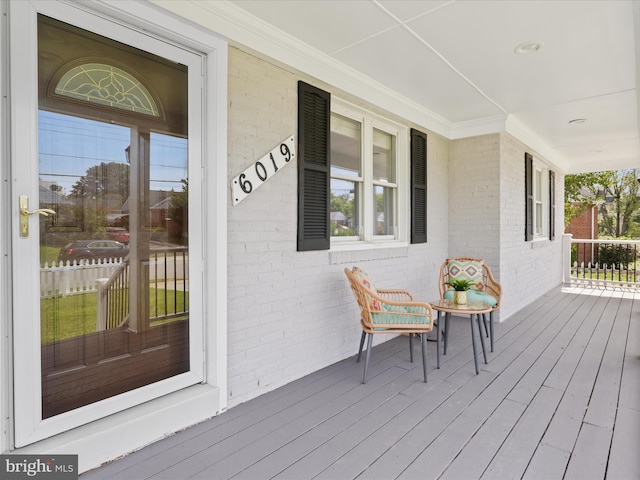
114,299
538,219
384,159
538,185
345,146
384,219
118,88
344,208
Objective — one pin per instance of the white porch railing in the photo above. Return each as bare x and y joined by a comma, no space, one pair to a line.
601,263
61,279
113,299
168,275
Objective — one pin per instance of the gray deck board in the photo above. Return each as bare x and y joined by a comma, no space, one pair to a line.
574,374
624,461
604,399
590,454
559,398
513,457
482,447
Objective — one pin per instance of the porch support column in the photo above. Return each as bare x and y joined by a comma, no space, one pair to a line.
566,257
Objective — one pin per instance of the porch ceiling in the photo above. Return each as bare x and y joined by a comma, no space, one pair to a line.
456,60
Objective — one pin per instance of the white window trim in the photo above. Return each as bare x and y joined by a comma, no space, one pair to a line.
367,237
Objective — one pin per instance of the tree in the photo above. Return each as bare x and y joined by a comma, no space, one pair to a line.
104,188
178,212
621,201
106,180
614,191
580,190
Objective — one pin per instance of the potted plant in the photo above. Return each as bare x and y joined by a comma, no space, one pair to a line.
460,287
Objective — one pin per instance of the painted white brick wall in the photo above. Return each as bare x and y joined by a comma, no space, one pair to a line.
486,212
291,313
542,269
474,199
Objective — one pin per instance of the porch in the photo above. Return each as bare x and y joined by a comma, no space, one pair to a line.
559,398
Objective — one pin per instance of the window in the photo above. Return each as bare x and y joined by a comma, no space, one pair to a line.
365,183
353,175
346,177
107,85
539,200
116,162
384,183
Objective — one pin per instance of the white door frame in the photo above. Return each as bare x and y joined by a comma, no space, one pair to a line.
209,137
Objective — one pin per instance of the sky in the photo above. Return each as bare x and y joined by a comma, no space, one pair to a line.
68,146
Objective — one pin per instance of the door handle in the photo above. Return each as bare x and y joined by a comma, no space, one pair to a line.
25,212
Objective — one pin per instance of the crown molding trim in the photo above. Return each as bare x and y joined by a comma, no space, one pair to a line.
519,130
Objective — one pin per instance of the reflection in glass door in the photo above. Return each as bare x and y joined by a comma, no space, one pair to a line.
112,157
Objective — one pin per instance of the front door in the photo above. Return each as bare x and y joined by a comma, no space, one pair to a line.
101,221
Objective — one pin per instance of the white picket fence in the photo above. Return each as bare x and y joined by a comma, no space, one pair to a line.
61,279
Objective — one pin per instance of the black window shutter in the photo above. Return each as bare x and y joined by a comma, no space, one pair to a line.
552,205
314,116
528,193
418,186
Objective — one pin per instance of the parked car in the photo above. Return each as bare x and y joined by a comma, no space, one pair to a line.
119,234
93,250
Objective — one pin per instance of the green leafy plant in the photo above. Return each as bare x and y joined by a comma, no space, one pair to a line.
618,256
460,285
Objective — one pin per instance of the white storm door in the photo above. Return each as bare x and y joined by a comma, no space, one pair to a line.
138,199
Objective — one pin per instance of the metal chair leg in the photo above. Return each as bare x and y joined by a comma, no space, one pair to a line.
491,329
486,328
423,339
473,342
411,347
438,327
447,318
366,360
361,345
479,326
484,351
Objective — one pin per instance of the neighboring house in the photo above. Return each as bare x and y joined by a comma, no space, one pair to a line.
159,212
338,221
585,226
49,197
269,302
159,202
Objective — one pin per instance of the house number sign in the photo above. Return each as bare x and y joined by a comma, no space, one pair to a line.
253,177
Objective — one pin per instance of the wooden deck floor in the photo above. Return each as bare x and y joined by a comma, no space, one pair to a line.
559,398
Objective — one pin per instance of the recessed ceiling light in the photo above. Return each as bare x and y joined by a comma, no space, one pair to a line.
528,47
576,121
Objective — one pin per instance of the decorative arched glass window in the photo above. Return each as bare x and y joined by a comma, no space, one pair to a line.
107,85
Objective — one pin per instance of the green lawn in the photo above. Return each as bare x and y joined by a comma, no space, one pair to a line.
75,315
48,254
617,276
67,317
